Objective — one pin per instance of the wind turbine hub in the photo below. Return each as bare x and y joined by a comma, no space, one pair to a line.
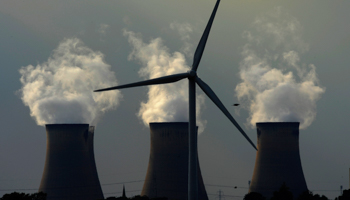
192,74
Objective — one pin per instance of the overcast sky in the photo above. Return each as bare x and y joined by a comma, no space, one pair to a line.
315,32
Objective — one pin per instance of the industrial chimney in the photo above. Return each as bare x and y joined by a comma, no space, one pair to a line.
70,170
278,159
167,174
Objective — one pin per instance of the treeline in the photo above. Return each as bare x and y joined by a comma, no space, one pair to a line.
138,197
42,196
284,194
24,196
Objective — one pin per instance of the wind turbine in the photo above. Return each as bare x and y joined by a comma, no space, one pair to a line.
192,80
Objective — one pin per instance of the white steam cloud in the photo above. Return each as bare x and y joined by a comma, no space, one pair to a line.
60,90
168,102
278,86
184,30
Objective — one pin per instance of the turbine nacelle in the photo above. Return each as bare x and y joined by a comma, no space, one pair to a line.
192,74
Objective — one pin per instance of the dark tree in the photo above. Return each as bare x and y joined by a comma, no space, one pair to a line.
254,196
344,196
117,198
307,195
23,196
16,196
138,197
318,197
282,194
38,196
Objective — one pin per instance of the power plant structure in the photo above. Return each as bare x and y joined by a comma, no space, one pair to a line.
70,171
167,173
278,159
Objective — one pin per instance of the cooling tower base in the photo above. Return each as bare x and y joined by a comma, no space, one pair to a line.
278,159
70,171
167,174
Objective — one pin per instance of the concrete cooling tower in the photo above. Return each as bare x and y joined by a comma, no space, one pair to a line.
70,169
167,174
278,159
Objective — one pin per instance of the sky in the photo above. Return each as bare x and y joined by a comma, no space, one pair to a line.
303,46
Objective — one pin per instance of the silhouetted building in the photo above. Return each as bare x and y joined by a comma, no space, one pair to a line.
70,170
167,174
278,159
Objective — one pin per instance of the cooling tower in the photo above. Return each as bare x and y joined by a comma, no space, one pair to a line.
70,170
278,159
167,174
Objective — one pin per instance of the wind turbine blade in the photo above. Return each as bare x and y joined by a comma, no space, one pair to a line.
210,93
200,48
161,80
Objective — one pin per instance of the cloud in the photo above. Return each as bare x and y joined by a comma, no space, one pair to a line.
279,87
168,102
60,90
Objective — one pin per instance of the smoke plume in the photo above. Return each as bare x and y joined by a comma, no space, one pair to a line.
60,90
168,102
275,81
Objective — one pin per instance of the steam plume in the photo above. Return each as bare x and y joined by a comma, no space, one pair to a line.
279,87
184,30
60,90
168,102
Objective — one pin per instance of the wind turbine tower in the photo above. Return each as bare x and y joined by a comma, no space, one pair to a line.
192,80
